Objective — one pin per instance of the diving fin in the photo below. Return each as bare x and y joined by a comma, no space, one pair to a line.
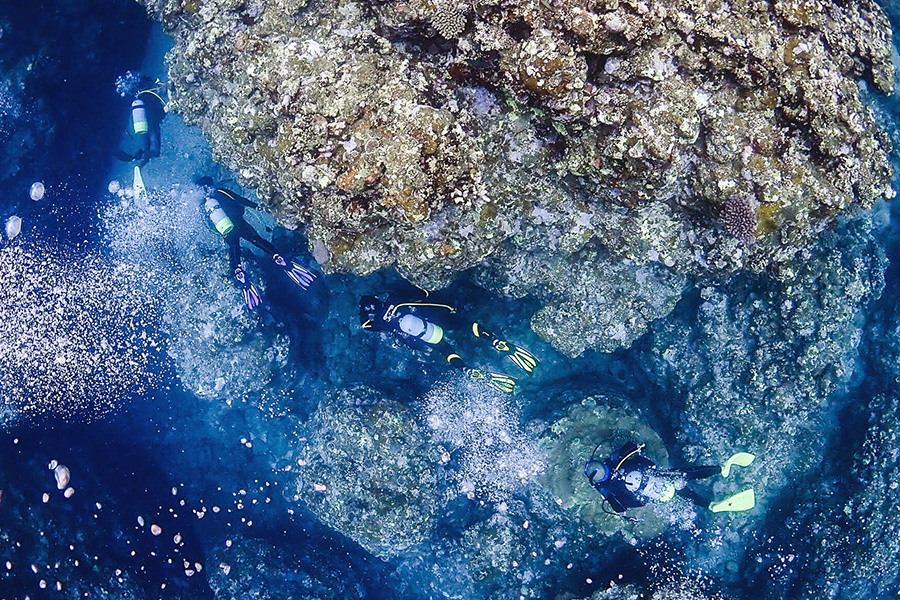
736,503
524,359
300,276
499,381
251,295
140,192
741,459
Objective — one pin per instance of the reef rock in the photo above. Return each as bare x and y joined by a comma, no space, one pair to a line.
425,135
220,349
755,368
368,471
593,426
590,301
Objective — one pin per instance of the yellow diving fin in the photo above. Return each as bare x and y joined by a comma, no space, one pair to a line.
736,503
140,192
741,459
504,383
524,359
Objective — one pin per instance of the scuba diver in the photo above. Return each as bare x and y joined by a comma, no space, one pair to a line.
225,210
421,325
628,479
148,109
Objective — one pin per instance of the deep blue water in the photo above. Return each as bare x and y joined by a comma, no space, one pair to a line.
130,460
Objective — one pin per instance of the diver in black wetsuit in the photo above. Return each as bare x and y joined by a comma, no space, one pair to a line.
628,479
225,210
421,325
148,109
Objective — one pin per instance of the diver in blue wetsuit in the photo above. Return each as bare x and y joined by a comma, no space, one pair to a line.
225,210
628,479
421,325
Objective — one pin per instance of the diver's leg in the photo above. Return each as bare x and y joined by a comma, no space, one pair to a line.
234,251
154,142
450,355
521,357
691,473
694,496
259,241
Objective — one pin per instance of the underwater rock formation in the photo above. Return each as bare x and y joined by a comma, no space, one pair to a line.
423,135
755,365
590,301
219,348
868,524
253,568
592,426
848,548
524,543
367,471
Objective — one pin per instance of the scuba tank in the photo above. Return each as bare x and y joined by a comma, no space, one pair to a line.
425,331
219,219
139,116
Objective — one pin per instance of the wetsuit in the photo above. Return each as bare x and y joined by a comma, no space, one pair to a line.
421,325
147,112
233,205
633,480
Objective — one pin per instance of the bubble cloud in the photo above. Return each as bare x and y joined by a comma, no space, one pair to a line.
76,335
498,458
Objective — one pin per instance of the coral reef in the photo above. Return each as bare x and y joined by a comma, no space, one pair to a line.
867,522
220,350
756,367
593,426
589,301
848,548
367,471
427,135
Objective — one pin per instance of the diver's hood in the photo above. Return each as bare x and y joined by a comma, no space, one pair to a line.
369,308
596,471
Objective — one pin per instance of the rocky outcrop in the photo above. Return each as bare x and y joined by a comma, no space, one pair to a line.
699,138
759,367
366,470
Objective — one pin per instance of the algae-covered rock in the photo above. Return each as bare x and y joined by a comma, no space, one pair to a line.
704,137
219,348
593,427
848,547
590,301
368,472
754,365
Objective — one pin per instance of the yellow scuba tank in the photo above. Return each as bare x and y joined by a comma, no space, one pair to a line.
219,219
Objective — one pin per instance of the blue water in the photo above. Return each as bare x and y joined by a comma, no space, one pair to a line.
158,454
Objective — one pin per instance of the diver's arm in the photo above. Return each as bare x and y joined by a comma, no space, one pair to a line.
235,197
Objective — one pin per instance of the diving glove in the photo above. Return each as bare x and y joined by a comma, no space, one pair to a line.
298,274
251,295
499,381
